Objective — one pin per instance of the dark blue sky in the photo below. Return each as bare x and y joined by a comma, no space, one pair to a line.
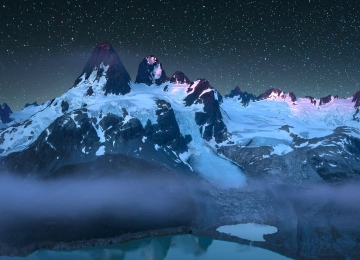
308,47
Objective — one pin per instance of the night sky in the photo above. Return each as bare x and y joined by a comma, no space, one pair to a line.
310,47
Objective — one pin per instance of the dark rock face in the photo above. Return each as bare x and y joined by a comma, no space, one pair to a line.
356,115
35,104
235,92
166,132
76,138
292,96
118,79
150,72
312,100
325,100
268,92
5,113
64,106
244,97
60,144
210,121
356,99
180,78
72,139
90,91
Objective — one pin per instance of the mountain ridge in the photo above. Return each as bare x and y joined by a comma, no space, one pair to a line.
241,152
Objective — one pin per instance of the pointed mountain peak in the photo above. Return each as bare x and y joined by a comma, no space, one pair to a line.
235,92
179,77
103,53
5,113
244,97
150,72
275,93
327,99
356,99
104,61
272,93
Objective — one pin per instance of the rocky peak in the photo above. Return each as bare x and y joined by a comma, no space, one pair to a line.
180,78
150,72
5,113
356,99
312,100
210,120
327,99
244,97
235,92
292,96
35,104
105,60
272,93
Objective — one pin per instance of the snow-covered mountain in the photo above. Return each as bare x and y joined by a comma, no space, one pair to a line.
173,129
183,123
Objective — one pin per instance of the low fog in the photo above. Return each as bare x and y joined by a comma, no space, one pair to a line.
78,209
66,197
153,195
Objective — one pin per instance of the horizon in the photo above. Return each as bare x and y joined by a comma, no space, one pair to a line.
133,77
305,47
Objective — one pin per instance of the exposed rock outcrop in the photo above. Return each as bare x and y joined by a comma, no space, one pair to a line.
210,121
5,113
272,93
180,78
244,97
325,100
150,72
356,99
166,132
312,100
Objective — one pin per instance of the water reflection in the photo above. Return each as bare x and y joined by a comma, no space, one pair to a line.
160,248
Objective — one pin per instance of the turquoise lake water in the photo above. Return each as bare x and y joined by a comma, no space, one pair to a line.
158,248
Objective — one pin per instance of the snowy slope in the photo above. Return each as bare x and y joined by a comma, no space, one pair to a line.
275,120
260,121
139,103
255,125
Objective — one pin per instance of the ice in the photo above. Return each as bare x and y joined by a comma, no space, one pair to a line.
249,231
281,149
204,159
262,120
100,151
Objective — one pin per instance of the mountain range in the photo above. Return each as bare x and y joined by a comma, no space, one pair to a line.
250,155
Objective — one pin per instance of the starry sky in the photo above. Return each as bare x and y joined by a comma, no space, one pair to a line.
310,47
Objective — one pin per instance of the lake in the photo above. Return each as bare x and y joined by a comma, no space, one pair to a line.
158,248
